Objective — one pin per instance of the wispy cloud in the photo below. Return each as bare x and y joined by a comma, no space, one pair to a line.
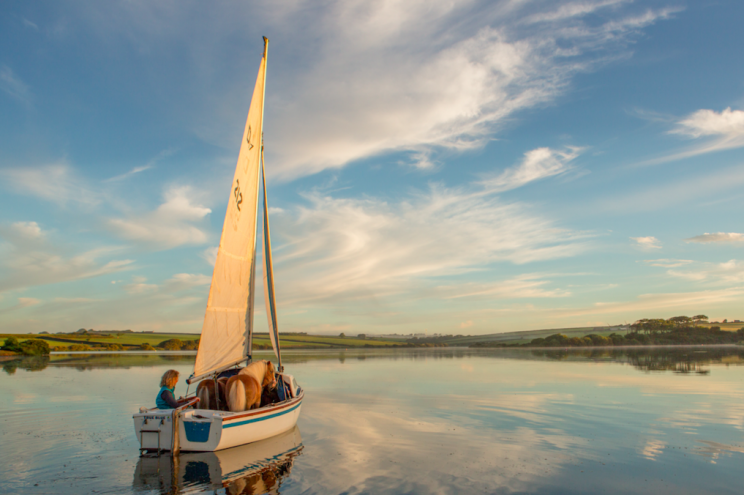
30,258
716,131
170,225
350,248
399,76
661,303
56,183
432,95
647,243
537,164
719,237
13,86
139,285
136,170
667,263
522,286
727,273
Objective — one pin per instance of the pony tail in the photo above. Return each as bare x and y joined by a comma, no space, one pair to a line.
203,394
237,397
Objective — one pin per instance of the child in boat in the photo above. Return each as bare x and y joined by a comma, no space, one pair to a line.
166,399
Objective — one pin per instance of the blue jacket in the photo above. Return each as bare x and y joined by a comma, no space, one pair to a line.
161,402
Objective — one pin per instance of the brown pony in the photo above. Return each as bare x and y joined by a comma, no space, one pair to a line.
243,391
207,397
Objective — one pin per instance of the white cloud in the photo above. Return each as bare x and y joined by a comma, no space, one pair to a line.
139,286
29,257
366,78
537,164
364,248
719,131
729,272
668,263
662,303
415,83
13,86
719,237
647,243
30,230
522,286
466,324
170,225
182,281
136,170
56,183
210,254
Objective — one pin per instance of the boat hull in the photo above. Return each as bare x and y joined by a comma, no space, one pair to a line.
202,430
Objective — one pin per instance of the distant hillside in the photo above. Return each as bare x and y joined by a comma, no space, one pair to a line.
527,335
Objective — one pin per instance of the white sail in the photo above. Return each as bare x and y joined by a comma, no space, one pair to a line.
227,322
268,277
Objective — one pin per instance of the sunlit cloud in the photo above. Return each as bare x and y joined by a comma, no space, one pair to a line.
401,76
136,170
13,86
667,263
139,286
719,237
56,183
537,164
170,225
30,258
647,243
655,303
729,272
342,248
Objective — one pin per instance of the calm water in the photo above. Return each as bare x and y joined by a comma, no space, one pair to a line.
405,421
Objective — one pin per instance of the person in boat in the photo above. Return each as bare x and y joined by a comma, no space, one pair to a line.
166,399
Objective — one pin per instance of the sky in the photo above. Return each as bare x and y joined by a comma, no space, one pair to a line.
433,166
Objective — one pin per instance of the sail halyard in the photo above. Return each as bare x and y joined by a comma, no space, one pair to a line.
269,294
228,323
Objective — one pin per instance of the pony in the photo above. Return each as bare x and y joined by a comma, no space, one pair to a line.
243,391
208,397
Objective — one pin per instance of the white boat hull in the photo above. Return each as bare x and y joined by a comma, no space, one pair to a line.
203,430
235,469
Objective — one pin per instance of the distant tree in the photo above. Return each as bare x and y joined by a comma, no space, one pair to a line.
34,347
11,344
342,335
680,321
171,345
362,336
191,345
146,347
699,318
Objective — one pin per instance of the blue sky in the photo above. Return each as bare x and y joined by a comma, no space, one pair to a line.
443,167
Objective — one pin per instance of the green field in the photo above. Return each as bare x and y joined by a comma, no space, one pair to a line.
134,340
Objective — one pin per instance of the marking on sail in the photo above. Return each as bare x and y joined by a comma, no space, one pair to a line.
238,195
248,138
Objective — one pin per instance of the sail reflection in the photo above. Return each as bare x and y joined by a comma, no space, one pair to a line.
254,469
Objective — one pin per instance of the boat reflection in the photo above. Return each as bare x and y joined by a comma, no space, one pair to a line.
253,469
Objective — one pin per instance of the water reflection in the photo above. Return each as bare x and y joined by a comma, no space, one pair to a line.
252,469
32,363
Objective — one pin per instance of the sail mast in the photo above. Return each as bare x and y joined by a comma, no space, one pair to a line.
252,284
269,294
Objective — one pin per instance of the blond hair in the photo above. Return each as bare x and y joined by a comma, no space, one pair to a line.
170,379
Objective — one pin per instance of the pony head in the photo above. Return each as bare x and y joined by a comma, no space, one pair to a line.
269,380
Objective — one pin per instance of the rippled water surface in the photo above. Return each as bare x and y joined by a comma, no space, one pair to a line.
403,421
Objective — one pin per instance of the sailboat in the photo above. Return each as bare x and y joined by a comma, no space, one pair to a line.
227,334
260,467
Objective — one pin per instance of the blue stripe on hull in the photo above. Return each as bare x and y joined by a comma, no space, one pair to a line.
241,423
